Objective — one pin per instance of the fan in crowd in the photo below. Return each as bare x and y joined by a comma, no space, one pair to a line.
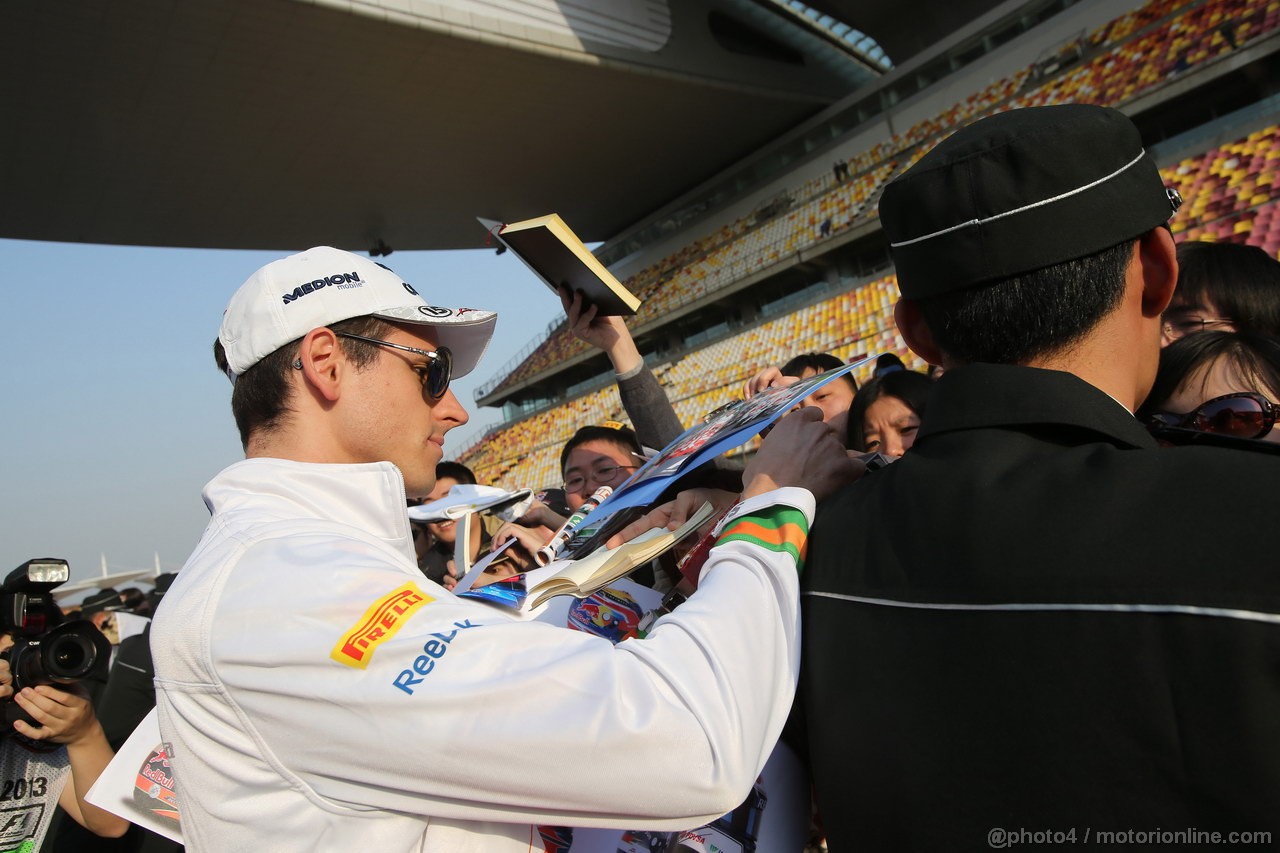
435,541
596,456
1224,287
1227,383
832,399
887,412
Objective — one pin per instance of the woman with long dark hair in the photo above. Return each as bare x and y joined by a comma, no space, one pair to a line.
887,411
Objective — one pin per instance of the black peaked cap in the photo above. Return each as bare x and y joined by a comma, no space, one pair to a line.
1019,191
102,599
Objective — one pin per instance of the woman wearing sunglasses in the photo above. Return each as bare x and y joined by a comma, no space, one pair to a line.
1220,382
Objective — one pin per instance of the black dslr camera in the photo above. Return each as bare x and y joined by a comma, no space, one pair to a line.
45,649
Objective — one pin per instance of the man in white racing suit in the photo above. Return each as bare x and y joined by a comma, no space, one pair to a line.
319,693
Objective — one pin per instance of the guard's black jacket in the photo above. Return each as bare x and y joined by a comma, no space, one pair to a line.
1039,620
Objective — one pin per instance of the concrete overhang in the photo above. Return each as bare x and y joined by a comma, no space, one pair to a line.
281,124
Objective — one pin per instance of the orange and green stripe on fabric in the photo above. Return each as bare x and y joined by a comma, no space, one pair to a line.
778,528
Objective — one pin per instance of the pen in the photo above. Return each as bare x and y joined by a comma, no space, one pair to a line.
547,552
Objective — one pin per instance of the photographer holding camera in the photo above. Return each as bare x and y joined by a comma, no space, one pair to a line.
52,748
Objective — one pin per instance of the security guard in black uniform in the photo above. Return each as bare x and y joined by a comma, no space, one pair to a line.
1038,627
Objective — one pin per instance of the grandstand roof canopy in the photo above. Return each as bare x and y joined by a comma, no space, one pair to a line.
286,123
907,28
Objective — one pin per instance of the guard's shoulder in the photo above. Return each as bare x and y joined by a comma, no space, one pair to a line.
1216,463
860,489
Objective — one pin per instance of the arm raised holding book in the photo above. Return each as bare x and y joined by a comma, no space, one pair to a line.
604,332
647,405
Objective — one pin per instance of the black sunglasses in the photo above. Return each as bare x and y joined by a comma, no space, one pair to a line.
435,376
1246,414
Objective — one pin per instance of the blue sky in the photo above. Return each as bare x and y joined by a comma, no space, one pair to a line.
114,416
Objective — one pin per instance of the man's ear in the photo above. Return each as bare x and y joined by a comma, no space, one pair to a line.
322,363
1158,260
915,332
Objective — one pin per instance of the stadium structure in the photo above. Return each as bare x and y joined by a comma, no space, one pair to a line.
777,255
283,124
697,139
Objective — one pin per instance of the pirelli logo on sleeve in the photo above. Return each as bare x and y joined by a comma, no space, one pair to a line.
379,623
779,528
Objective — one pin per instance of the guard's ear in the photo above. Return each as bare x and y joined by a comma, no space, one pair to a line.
322,362
1158,259
915,331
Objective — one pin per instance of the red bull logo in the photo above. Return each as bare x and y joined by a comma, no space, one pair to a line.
155,775
610,613
154,788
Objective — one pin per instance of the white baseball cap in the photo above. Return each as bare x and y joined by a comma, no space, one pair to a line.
288,298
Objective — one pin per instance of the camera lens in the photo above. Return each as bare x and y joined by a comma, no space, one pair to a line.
68,657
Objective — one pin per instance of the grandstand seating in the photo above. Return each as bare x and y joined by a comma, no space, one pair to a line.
1229,193
1120,28
1185,34
1198,34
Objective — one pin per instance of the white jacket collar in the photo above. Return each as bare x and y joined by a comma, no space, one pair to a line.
369,497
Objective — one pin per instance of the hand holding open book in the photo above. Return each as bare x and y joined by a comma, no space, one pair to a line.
580,578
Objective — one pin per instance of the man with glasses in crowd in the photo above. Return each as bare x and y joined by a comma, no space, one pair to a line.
321,694
598,455
1038,627
1224,287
